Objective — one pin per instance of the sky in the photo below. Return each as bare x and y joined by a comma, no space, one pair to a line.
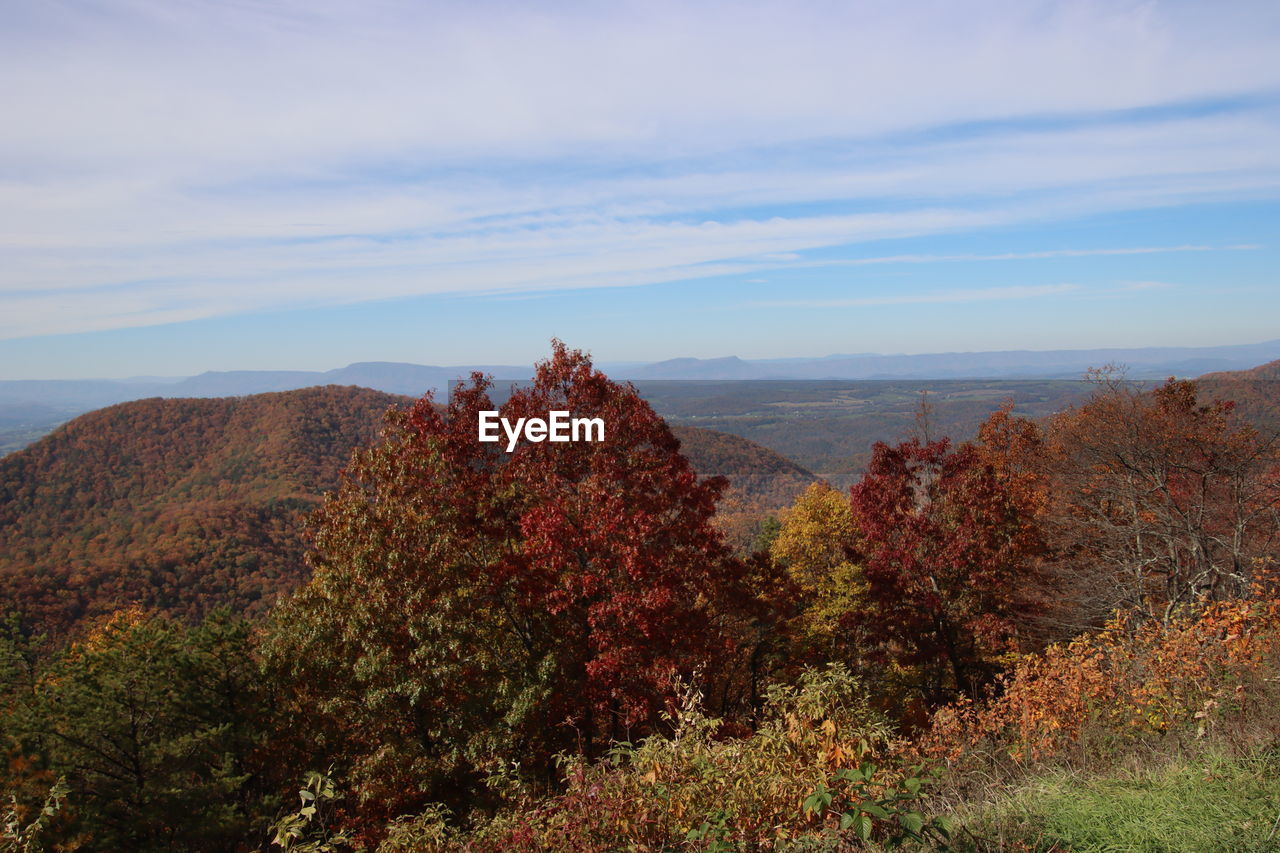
190,185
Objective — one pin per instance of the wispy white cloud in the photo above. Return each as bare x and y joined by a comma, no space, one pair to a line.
176,160
1025,256
937,297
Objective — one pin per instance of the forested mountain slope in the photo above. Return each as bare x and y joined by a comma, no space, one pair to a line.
758,476
1255,392
180,504
186,504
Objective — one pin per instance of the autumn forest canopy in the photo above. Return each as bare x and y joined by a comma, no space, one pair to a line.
1035,635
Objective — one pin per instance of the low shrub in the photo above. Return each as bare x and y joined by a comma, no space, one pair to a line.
806,779
1195,676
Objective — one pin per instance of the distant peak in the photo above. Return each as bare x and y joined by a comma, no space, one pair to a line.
367,364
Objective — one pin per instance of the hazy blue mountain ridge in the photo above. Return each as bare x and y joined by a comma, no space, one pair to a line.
31,407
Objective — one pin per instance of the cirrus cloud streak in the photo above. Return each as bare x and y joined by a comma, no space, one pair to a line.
167,161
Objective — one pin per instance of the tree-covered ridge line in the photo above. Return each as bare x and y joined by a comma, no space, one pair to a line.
181,505
558,649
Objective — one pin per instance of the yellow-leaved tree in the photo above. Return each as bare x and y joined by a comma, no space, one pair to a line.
811,545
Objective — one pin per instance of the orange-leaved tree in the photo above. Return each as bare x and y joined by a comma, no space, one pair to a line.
1161,501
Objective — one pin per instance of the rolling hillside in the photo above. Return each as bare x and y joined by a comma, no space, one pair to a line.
177,504
757,476
1256,393
186,504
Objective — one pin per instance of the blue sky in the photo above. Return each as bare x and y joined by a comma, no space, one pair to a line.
187,186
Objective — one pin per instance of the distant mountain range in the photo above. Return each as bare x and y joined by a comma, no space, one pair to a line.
1146,363
390,377
414,379
29,408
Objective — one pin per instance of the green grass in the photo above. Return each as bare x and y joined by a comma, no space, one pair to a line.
1195,805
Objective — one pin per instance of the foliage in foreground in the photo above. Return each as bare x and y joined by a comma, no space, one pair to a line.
23,827
1205,670
157,729
808,776
1144,736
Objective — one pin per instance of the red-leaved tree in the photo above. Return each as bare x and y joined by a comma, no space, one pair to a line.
949,545
615,544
